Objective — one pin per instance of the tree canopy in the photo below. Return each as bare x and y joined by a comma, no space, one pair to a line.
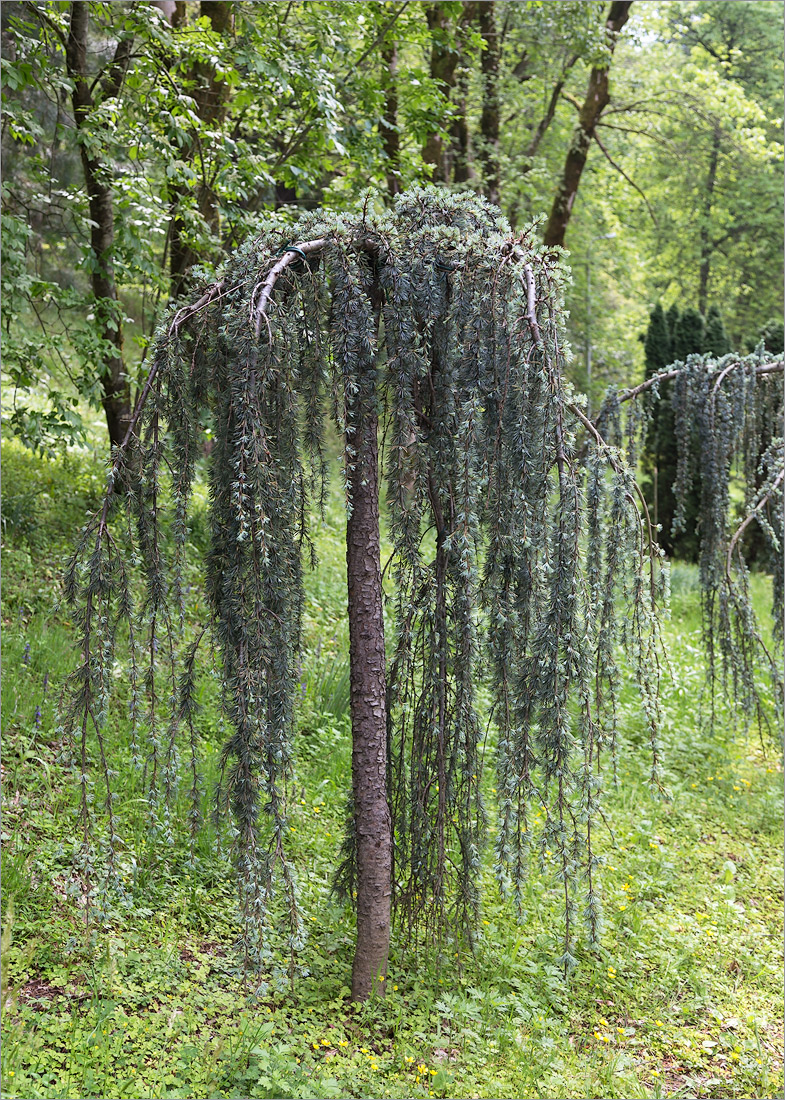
683,163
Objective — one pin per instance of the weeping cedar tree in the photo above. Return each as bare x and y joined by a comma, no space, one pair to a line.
521,551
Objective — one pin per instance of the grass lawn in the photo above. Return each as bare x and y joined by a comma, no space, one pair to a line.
684,998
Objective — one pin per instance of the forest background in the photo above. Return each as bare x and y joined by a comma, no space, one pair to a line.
140,143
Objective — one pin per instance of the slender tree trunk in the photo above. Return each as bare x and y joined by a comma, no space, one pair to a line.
116,398
542,126
373,827
391,139
461,137
211,95
597,99
443,62
705,235
445,56
489,119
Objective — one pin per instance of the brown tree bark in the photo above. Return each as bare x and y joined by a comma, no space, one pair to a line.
489,118
391,139
116,398
463,170
445,57
597,99
373,828
211,95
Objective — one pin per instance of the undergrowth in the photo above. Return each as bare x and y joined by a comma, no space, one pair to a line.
683,998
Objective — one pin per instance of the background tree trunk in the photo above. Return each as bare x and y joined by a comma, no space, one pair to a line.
390,137
489,118
116,398
443,63
463,170
211,95
445,57
597,99
705,234
373,829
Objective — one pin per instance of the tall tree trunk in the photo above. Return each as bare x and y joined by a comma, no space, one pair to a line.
373,828
461,137
391,139
211,95
115,398
705,234
597,99
443,61
445,57
489,119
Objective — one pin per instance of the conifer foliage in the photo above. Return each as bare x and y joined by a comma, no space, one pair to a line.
521,558
669,339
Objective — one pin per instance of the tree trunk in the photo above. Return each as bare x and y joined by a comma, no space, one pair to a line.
445,56
597,99
115,398
705,235
489,119
211,95
373,829
461,137
391,139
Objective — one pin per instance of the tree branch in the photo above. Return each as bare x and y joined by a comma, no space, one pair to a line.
749,518
296,142
621,172
668,375
265,289
550,111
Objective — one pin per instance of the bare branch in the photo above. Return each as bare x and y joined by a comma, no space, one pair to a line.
265,289
621,172
749,518
666,376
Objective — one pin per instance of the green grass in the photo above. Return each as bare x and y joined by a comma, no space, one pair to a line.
684,998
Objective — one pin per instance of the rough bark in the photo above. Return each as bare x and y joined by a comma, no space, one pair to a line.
445,58
115,398
391,139
705,234
373,829
597,99
211,96
489,118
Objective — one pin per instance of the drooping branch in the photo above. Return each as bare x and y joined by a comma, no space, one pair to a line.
726,411
513,555
761,370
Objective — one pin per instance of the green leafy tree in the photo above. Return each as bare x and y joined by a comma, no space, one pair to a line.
772,335
689,334
711,157
180,156
657,342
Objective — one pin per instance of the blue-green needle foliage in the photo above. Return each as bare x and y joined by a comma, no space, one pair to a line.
728,422
523,570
